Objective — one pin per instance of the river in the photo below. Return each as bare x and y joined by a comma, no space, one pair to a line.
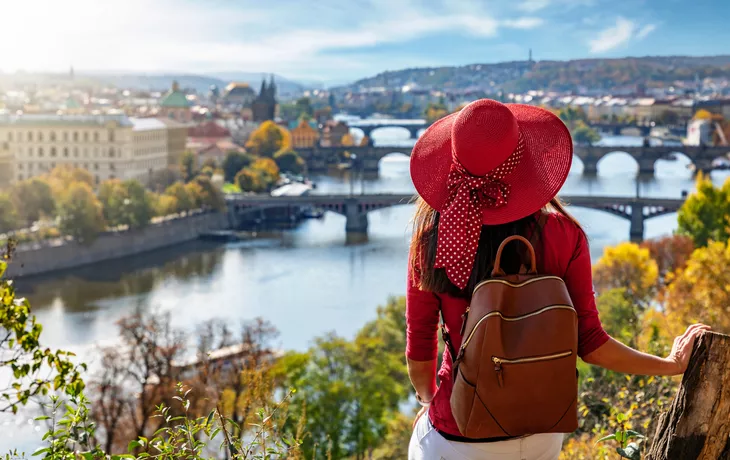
306,281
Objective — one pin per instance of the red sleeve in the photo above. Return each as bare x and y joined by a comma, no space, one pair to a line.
422,318
579,281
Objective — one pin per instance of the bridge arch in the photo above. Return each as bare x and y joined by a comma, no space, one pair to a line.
679,166
394,164
357,133
617,163
393,133
577,167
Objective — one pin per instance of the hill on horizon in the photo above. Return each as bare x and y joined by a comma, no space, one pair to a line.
595,73
199,82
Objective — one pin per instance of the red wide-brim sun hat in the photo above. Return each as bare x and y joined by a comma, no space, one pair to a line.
529,142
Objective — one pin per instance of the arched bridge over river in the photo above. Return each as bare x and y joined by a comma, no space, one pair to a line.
355,208
368,157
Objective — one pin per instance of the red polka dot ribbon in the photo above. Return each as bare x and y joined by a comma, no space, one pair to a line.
460,222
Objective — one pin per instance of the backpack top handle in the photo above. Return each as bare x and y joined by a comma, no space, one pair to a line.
497,271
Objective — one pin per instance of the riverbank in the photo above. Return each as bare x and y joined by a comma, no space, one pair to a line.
64,255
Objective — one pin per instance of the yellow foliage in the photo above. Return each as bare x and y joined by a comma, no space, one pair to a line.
268,168
268,139
657,332
166,205
61,178
347,140
627,266
701,292
585,448
703,114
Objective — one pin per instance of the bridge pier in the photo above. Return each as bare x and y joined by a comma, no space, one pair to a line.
414,132
356,218
636,231
703,165
590,167
646,166
366,131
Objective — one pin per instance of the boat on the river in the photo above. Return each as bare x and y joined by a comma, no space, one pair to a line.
312,213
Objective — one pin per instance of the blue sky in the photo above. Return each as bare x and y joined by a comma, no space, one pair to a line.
341,40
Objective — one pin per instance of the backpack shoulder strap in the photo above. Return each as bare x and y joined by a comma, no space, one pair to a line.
444,331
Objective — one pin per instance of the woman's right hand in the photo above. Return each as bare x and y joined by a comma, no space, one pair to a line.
682,348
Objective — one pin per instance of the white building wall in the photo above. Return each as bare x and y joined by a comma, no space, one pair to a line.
106,151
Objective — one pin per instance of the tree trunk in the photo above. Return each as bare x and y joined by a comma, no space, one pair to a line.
697,425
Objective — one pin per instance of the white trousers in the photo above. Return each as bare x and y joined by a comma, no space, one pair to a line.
428,444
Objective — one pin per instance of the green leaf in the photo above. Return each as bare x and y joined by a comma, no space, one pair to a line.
620,417
634,434
610,437
41,450
133,445
42,417
210,418
3,267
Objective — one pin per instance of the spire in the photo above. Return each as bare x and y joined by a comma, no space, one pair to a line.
262,93
175,86
272,88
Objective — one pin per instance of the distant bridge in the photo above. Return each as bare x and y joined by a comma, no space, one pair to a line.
355,208
414,127
320,158
644,130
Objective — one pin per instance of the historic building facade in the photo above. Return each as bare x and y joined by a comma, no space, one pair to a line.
108,146
304,135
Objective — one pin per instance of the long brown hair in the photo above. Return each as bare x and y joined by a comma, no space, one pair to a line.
425,236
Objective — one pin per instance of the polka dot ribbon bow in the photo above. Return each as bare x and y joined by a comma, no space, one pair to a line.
460,222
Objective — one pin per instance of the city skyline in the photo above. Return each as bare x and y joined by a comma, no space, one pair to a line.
338,42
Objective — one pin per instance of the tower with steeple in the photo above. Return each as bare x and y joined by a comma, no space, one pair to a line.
264,106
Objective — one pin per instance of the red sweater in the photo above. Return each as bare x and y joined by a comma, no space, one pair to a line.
563,251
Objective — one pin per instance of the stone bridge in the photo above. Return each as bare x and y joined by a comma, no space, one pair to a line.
368,126
644,130
368,157
355,208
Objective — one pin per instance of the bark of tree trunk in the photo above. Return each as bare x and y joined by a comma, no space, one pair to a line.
697,425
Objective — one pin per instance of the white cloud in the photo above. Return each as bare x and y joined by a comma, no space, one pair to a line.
619,34
613,37
646,30
531,6
523,23
290,37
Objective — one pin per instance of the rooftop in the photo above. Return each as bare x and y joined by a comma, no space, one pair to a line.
146,124
175,98
64,120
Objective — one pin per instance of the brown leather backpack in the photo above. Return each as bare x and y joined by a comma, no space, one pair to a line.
515,373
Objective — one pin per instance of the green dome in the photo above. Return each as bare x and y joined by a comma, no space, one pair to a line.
175,98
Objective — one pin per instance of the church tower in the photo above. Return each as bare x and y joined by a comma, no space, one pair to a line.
264,106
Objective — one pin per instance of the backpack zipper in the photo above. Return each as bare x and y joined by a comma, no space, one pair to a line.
513,318
499,361
516,285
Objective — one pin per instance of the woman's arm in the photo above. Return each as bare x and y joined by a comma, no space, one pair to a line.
423,378
615,356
